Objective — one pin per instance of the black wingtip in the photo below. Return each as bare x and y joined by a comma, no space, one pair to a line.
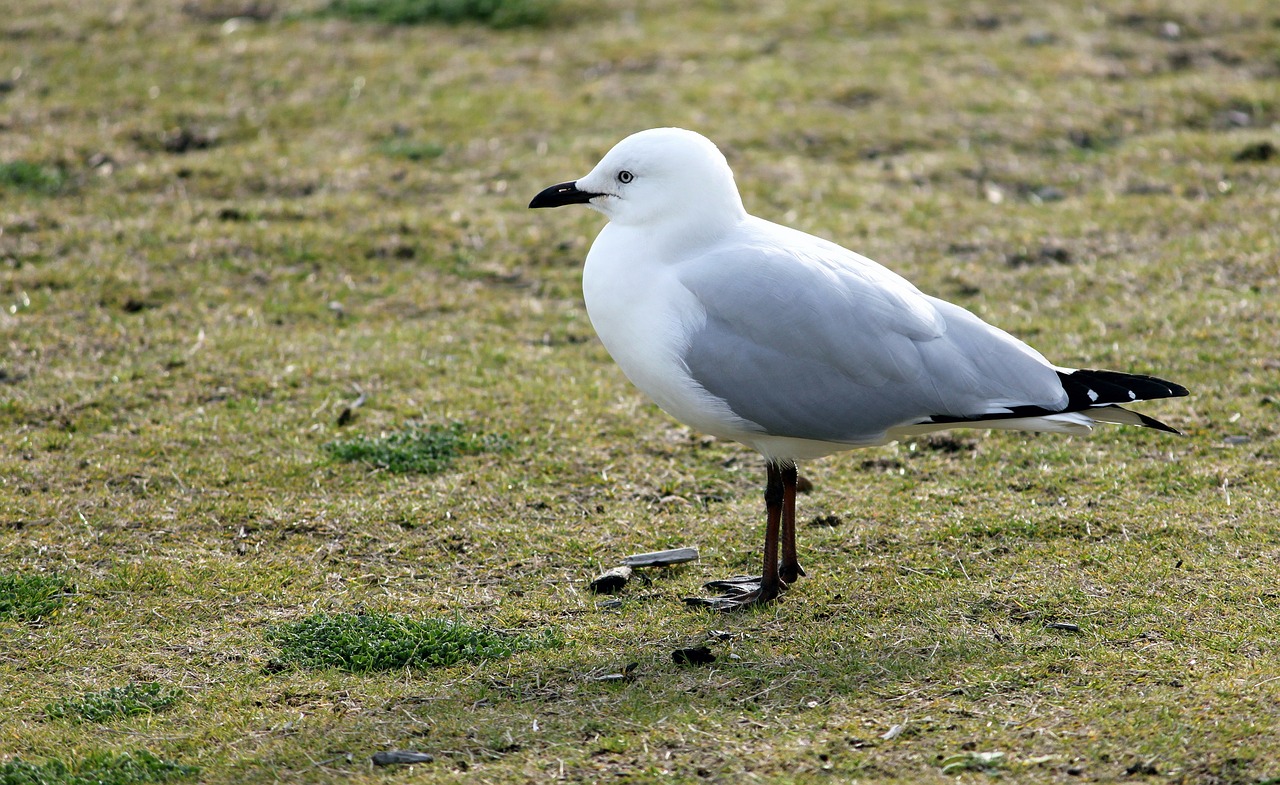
1087,388
1097,391
1091,392
1151,422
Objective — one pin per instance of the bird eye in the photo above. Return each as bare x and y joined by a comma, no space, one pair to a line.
625,177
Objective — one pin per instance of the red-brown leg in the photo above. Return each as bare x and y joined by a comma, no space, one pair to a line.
774,502
743,591
790,570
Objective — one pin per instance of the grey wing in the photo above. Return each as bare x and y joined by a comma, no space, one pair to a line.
833,347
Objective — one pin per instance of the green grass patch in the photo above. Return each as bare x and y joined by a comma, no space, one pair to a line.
493,13
32,177
410,149
416,449
381,642
102,768
32,597
127,701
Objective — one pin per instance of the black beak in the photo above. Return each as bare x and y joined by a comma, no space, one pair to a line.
560,195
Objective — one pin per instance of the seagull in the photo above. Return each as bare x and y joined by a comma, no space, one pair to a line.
793,345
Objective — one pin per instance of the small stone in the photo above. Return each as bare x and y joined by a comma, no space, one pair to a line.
1236,118
1262,151
661,558
611,581
1039,38
696,655
400,757
1047,193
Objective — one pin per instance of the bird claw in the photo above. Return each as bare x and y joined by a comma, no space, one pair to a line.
736,593
729,602
744,583
738,584
790,575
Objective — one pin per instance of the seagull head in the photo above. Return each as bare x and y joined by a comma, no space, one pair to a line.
656,176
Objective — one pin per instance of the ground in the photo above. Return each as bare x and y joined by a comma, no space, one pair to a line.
223,223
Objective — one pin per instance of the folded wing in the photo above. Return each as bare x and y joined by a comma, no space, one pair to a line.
808,340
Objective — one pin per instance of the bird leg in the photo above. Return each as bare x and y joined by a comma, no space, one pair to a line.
791,570
741,591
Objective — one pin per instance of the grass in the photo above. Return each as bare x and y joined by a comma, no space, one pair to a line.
494,13
29,598
382,642
32,177
425,450
127,701
411,150
96,769
236,246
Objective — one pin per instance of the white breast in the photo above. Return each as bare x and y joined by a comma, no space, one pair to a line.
644,315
